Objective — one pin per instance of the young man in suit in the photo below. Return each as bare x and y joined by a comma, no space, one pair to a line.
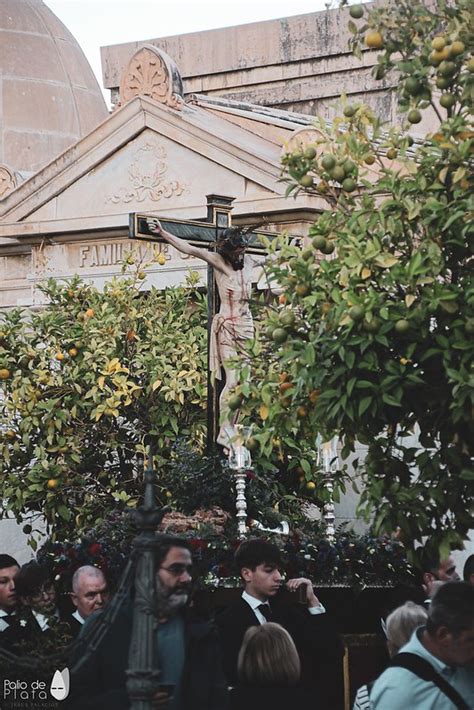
312,631
9,569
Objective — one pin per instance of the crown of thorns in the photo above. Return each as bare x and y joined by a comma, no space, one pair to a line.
235,237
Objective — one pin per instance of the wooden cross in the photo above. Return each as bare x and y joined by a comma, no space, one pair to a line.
202,233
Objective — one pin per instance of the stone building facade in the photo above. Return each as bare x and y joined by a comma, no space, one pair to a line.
71,175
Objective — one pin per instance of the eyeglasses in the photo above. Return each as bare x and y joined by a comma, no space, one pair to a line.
177,569
45,591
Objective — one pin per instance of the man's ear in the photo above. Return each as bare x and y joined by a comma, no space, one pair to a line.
73,596
246,574
443,635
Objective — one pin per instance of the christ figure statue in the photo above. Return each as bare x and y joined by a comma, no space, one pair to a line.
233,324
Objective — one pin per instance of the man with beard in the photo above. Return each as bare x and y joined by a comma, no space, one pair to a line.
188,649
233,324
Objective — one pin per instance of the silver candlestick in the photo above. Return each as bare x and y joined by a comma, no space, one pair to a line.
240,462
328,459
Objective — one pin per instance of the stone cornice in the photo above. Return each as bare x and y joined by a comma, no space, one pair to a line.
196,129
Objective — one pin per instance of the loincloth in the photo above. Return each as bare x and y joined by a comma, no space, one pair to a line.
227,332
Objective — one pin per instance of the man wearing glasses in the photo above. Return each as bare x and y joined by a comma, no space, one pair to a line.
188,648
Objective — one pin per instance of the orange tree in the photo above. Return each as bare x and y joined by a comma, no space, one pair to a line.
375,343
87,384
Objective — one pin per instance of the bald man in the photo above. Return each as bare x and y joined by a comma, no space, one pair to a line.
89,593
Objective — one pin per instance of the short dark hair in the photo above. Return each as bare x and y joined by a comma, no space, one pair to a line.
7,561
31,578
163,545
231,239
453,607
468,568
254,552
430,560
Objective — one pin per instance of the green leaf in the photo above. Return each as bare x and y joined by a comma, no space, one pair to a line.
364,404
64,512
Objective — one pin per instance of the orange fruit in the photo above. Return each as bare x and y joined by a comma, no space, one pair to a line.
356,313
301,412
282,299
414,116
306,181
402,326
311,485
348,185
234,401
89,313
59,356
319,242
313,396
4,373
285,386
438,43
302,290
447,100
52,483
73,352
279,335
457,48
374,39
356,11
328,161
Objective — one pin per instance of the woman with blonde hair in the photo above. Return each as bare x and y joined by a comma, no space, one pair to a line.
268,669
399,626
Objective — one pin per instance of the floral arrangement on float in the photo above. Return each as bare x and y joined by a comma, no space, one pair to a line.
348,560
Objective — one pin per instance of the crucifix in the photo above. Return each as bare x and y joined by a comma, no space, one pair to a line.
230,257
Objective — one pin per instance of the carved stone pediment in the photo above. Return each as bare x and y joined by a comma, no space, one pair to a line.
146,179
151,72
7,181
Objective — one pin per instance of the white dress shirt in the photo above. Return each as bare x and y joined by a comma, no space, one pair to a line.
3,622
254,603
78,617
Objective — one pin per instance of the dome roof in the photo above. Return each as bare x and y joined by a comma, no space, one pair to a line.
49,97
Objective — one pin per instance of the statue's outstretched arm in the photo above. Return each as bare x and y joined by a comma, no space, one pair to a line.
184,247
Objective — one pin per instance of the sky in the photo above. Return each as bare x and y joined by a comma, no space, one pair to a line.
96,23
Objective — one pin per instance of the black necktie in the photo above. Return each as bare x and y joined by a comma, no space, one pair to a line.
265,610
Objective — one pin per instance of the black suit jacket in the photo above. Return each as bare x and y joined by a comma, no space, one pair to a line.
100,684
316,640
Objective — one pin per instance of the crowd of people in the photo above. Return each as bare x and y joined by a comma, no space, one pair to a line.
260,652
